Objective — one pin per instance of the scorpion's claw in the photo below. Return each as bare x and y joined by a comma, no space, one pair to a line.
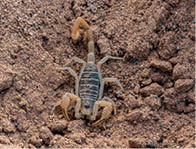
108,107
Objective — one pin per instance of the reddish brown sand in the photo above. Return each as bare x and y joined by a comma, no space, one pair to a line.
156,39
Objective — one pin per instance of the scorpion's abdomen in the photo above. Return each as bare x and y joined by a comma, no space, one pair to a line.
89,85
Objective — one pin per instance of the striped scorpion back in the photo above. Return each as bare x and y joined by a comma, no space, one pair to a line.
89,85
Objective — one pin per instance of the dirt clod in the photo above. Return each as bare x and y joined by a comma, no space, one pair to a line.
7,126
154,88
153,101
134,116
76,126
58,126
6,78
60,141
183,85
180,72
165,66
137,143
132,102
36,141
103,44
45,134
4,140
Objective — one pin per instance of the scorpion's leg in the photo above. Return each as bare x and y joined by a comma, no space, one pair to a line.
74,74
105,80
103,60
76,59
107,110
65,103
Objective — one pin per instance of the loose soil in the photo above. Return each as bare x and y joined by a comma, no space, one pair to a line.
156,39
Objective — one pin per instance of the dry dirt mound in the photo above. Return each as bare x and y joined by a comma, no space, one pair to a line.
156,39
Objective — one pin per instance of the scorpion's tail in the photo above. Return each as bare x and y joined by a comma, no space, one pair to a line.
75,34
91,52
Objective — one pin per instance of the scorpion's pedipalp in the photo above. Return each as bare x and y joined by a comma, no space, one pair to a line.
110,100
65,103
106,113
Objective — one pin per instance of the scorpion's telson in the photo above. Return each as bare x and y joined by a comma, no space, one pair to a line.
75,29
89,84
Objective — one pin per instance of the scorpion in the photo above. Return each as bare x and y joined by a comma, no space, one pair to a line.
89,85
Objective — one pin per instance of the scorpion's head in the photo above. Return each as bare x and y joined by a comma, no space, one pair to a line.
86,107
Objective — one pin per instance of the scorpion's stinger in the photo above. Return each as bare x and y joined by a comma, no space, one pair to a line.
75,34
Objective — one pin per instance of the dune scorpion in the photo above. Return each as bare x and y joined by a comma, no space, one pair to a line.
89,85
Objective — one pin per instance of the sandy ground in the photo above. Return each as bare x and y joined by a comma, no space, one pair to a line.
156,39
